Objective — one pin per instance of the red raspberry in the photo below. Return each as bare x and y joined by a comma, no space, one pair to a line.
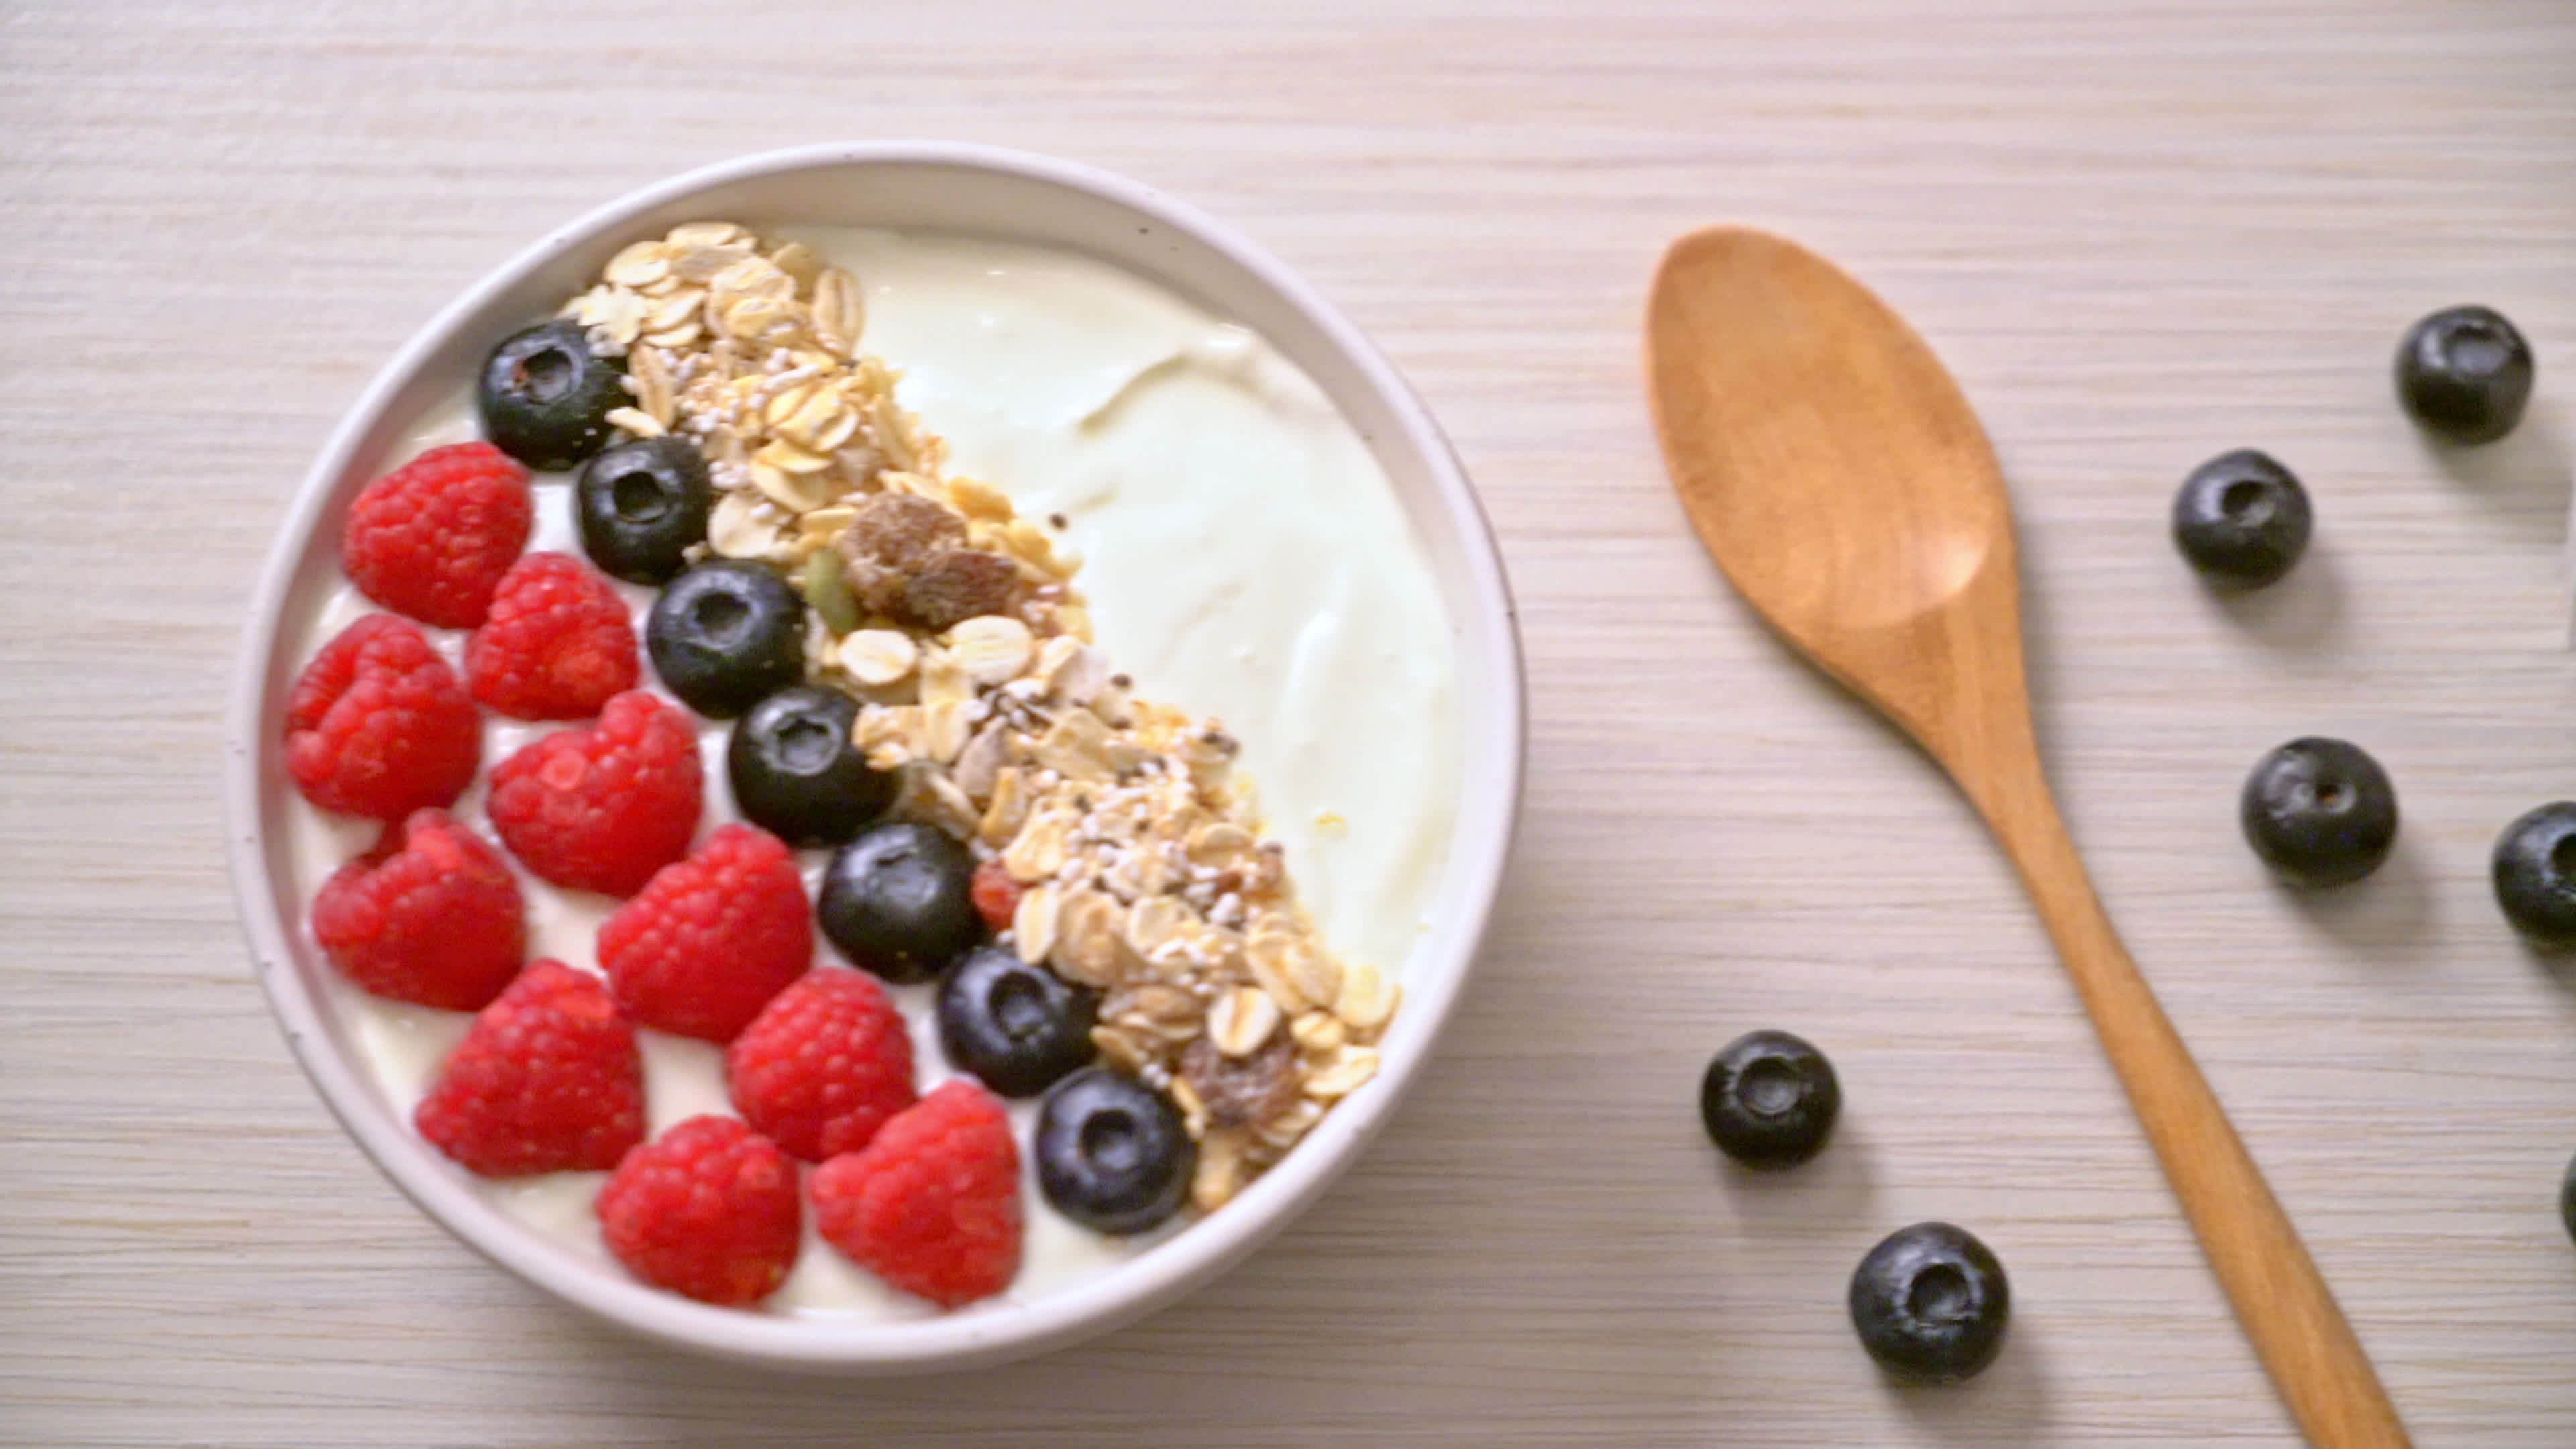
603,807
431,538
556,645
932,1206
378,726
701,949
707,1209
433,918
546,1080
995,894
823,1066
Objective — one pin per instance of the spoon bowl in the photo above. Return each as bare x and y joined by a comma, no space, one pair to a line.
1918,506
1841,482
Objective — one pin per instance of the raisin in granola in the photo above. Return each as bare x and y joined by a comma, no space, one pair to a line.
1242,1091
891,538
962,584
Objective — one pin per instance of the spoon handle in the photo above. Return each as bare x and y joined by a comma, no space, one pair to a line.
2310,1352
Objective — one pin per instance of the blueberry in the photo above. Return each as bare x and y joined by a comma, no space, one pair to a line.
545,397
895,901
641,506
1769,1099
2320,812
795,772
1112,1154
2242,518
1931,1302
2567,1198
2465,373
2535,874
726,635
1017,1027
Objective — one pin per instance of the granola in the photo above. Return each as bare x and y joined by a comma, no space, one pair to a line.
1138,849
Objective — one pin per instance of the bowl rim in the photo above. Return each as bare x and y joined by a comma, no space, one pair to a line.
998,1332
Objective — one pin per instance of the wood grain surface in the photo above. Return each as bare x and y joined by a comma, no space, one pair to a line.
1840,481
2137,234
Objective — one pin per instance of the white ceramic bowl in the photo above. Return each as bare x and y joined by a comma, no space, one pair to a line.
926,187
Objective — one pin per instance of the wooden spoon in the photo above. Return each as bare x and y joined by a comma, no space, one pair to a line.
1836,475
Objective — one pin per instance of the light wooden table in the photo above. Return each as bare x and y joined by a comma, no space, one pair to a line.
2139,234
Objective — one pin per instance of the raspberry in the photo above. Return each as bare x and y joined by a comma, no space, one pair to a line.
823,1066
601,808
709,940
932,1206
708,1209
378,726
431,538
556,644
995,894
431,916
546,1080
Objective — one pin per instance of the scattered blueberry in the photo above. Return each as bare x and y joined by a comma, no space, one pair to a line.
2320,812
795,771
544,396
1769,1099
641,505
726,635
1017,1027
1931,1302
1111,1152
2465,373
2535,874
2242,518
2567,1198
895,901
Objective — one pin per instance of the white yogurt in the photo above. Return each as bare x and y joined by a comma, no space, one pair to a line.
1246,560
